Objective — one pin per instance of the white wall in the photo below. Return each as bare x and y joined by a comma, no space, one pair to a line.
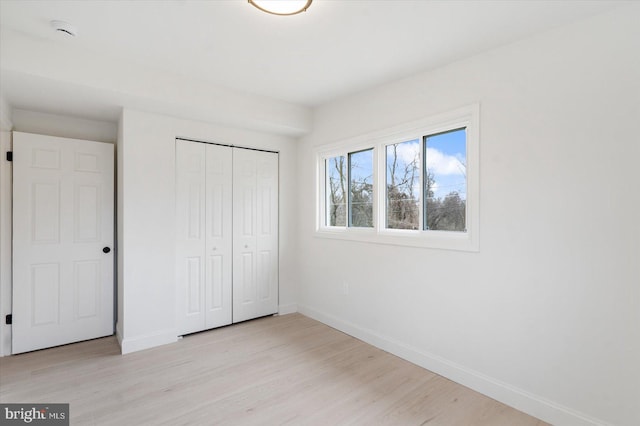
146,220
5,227
546,317
63,126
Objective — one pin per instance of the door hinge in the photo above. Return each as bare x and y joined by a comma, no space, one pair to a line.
9,156
9,319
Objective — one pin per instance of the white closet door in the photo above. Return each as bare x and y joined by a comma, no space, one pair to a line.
62,241
219,241
203,252
255,238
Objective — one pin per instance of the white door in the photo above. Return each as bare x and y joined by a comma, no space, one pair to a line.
255,238
62,241
204,235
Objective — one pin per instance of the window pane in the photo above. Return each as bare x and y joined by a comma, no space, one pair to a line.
445,181
361,189
336,172
403,185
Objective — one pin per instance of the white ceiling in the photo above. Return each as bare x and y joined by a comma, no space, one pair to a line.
336,48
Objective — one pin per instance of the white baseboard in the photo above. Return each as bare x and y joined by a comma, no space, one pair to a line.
139,343
522,400
290,308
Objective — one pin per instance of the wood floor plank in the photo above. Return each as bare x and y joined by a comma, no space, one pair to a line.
272,371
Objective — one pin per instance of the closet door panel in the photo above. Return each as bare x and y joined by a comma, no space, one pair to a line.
244,235
191,237
204,236
219,240
267,233
255,266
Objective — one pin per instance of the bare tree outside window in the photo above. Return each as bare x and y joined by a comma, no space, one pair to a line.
403,185
442,186
361,189
336,191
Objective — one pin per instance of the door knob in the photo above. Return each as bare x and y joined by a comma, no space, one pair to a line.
106,250
246,246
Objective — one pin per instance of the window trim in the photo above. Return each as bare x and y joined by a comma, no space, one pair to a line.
467,117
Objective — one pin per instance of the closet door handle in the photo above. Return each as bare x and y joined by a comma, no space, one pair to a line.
246,246
106,250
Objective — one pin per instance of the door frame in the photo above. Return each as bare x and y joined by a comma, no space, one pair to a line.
6,235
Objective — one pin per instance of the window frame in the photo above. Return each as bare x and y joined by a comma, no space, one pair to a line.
350,194
321,210
467,117
384,210
326,207
423,201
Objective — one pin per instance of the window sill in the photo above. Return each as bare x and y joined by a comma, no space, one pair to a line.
444,240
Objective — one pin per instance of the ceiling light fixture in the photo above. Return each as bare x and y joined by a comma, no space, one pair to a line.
282,7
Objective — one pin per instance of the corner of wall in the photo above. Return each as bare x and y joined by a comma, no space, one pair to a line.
139,343
5,116
5,227
119,334
119,263
289,308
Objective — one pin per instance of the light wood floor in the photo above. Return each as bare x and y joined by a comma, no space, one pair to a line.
276,370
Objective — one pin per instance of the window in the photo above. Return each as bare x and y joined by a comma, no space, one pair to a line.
361,189
414,185
356,168
403,185
336,188
445,181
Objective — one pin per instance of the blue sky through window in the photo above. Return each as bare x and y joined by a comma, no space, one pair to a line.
362,166
446,159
